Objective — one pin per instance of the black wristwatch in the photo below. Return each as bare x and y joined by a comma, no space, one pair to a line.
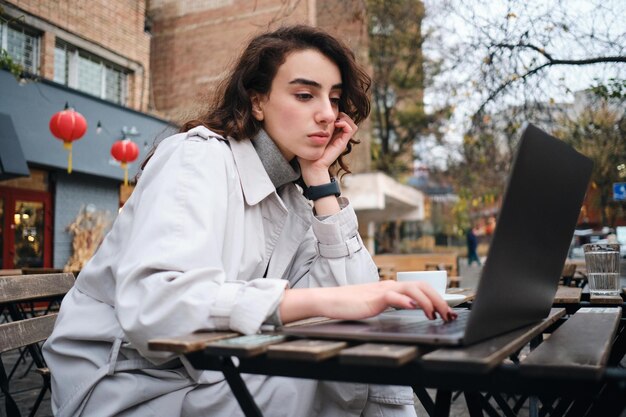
315,192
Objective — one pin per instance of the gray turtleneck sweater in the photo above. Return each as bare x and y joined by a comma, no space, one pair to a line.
277,167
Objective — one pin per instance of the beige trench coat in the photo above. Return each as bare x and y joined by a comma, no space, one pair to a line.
189,251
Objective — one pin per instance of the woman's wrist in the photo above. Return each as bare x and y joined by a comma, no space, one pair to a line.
313,178
301,303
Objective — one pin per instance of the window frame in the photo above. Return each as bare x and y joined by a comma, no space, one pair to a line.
5,25
74,54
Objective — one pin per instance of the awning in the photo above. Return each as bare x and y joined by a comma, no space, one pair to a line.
376,197
12,161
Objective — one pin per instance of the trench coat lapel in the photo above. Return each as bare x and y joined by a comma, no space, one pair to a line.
286,219
297,225
255,182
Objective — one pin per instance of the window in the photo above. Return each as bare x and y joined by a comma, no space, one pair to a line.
22,44
89,73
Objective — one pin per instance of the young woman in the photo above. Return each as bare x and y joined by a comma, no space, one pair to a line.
219,235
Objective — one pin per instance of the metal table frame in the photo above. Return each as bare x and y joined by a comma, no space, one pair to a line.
559,396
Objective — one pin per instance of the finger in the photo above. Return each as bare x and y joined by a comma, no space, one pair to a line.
346,124
423,301
350,122
340,140
344,129
439,304
398,300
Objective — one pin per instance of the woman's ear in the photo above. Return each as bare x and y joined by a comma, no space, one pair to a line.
257,108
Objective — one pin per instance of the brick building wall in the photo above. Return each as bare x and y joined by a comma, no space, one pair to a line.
195,42
193,46
111,29
347,20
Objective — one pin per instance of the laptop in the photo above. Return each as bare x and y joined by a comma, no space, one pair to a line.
540,208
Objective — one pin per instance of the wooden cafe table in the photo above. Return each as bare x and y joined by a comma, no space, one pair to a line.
565,365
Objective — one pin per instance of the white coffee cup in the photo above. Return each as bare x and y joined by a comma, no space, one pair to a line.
437,279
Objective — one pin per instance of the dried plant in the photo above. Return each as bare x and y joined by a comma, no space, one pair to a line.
88,230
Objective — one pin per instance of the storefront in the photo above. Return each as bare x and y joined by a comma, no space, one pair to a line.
38,197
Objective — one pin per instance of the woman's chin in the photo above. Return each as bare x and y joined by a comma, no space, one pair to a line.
312,155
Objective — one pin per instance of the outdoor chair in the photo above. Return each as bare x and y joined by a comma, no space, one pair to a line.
26,329
567,275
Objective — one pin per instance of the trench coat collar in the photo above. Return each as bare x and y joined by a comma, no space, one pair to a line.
255,182
280,170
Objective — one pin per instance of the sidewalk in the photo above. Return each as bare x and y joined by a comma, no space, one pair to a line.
470,274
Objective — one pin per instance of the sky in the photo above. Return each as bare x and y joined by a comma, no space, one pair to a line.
454,23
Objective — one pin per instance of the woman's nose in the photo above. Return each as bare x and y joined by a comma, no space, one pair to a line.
326,113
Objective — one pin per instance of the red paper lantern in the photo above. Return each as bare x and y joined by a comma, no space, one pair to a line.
125,151
68,125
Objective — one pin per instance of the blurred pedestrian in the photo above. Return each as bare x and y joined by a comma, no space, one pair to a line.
472,246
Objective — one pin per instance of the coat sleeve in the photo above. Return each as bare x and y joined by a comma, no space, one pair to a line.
170,276
333,253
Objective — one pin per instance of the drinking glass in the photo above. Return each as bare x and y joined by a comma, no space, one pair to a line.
602,262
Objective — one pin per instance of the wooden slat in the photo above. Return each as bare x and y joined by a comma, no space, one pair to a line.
578,348
606,299
243,346
307,350
25,332
41,270
310,320
568,295
190,343
5,272
484,356
28,287
379,354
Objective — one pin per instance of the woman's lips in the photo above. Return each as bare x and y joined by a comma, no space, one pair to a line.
319,138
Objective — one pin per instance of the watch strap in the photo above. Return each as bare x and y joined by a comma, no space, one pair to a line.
315,192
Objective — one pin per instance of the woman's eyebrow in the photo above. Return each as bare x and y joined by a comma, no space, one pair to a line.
312,83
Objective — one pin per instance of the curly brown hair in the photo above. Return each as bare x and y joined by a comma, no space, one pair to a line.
231,111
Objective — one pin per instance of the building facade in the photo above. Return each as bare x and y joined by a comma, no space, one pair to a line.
94,57
130,67
194,43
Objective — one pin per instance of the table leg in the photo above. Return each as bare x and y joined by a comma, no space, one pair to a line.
486,406
245,400
579,408
503,404
473,404
561,407
442,403
425,399
611,402
533,406
10,404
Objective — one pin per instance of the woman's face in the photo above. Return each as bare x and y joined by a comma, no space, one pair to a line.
300,110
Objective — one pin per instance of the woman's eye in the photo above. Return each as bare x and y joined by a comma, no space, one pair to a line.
304,96
335,101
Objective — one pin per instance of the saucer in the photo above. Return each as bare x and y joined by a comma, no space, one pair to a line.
454,299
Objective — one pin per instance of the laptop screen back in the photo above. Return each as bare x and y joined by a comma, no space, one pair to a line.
540,208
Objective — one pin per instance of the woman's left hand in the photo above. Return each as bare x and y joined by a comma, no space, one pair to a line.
345,128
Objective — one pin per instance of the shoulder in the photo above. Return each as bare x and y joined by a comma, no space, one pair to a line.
196,154
198,143
198,134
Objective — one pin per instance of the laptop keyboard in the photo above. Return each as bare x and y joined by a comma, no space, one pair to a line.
438,326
